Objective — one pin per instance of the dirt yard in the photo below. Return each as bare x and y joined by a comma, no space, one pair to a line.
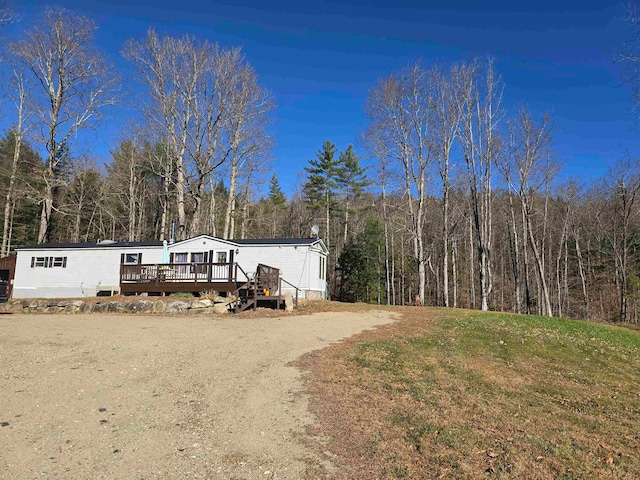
137,397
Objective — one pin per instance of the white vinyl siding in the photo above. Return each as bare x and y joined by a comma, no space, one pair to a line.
298,264
72,273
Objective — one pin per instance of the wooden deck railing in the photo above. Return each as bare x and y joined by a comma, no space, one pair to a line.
268,278
179,272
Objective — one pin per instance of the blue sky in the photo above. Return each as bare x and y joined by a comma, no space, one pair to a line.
320,58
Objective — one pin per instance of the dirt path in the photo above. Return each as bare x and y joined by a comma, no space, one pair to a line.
129,397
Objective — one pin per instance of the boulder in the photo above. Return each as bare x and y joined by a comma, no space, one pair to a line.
86,307
100,307
221,308
288,302
201,303
70,308
200,311
114,307
141,306
159,306
177,307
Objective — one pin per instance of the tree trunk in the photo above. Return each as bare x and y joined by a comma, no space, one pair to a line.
583,280
454,272
515,258
45,214
231,198
346,223
132,199
525,258
180,187
546,306
445,243
9,199
472,260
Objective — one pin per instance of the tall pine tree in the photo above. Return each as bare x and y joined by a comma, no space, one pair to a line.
322,182
352,180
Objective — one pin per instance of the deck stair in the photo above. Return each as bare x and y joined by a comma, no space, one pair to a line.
264,289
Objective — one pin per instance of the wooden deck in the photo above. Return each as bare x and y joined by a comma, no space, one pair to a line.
180,277
250,291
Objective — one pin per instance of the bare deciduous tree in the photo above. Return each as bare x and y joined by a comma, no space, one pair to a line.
74,83
399,109
447,121
162,68
479,96
246,132
206,103
7,15
19,91
529,151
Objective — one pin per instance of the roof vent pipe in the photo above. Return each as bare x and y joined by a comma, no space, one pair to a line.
173,232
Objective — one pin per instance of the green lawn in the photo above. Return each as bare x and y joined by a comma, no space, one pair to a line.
468,395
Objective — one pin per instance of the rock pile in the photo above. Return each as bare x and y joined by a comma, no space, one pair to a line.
218,306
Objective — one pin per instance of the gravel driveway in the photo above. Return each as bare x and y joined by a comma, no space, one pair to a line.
134,397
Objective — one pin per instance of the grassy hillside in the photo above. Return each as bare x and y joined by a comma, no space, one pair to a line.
459,394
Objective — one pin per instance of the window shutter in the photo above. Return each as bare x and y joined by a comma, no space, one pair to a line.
121,258
64,262
140,258
171,257
33,261
206,257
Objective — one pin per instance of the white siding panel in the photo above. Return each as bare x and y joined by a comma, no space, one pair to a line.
92,269
88,270
298,264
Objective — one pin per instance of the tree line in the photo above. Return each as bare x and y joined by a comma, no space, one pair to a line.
460,205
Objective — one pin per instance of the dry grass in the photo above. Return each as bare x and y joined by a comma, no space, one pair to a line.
459,394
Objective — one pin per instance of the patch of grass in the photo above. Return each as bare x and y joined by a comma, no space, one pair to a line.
467,395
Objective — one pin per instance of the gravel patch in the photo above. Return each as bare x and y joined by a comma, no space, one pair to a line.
128,397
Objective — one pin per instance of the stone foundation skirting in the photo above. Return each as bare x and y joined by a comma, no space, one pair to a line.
218,306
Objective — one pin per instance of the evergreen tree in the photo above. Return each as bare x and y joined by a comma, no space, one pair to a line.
276,196
359,266
274,206
24,207
352,179
322,181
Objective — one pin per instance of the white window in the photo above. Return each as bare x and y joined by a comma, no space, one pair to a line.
39,261
60,262
48,262
323,268
198,257
180,257
131,258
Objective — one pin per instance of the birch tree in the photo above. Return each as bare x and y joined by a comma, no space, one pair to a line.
73,85
398,109
623,190
19,92
478,99
446,119
529,150
246,131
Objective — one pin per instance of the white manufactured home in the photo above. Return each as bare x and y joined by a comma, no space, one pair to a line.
195,265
